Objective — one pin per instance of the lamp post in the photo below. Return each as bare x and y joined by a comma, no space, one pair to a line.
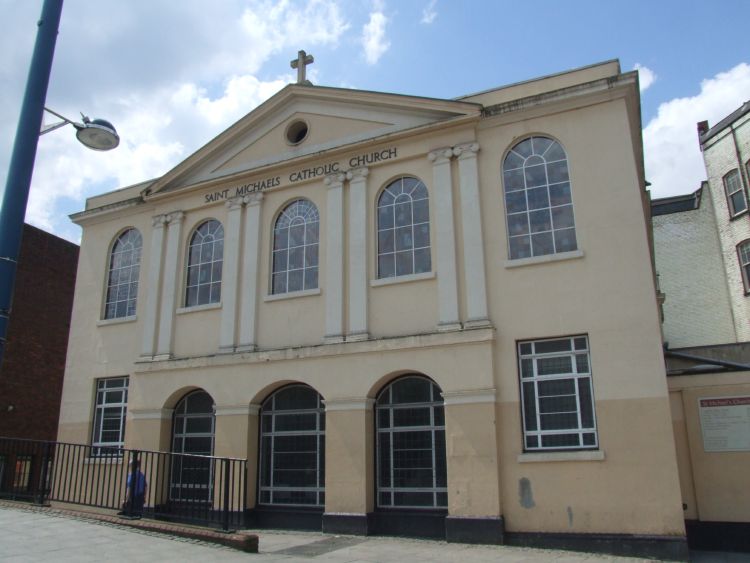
96,134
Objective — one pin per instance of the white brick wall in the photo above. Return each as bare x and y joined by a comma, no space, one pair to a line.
720,157
691,275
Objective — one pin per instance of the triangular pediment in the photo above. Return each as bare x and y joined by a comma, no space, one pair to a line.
332,117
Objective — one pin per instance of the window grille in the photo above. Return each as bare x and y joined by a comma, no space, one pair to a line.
109,415
557,395
122,278
205,262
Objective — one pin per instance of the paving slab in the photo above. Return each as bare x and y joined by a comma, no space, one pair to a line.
32,535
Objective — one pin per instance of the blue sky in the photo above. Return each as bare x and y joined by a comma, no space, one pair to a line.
172,75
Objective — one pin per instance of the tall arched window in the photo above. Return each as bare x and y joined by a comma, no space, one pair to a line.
205,261
403,229
122,279
295,248
538,203
411,460
193,433
292,449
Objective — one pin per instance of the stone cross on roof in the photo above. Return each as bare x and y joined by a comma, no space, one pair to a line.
302,60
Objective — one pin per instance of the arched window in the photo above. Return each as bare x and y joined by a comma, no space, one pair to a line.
403,229
122,281
411,461
205,261
193,433
295,248
538,203
292,449
743,251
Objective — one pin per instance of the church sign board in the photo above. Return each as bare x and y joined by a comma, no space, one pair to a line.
301,175
725,423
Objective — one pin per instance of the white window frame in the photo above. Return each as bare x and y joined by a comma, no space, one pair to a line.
743,255
180,490
304,212
270,413
216,236
525,208
105,387
732,185
121,248
386,408
398,192
580,374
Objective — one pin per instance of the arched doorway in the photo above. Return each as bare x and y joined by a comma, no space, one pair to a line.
292,449
193,433
410,445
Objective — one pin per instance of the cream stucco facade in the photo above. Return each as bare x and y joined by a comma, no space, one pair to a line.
461,321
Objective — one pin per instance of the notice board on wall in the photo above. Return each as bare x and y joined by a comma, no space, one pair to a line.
725,423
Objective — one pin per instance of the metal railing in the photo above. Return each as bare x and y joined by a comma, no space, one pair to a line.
204,490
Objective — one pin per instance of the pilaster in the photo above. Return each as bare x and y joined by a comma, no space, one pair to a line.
445,239
473,246
334,296
169,285
349,441
357,327
230,278
152,286
249,301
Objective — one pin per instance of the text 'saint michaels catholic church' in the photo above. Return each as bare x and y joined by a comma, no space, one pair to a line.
404,312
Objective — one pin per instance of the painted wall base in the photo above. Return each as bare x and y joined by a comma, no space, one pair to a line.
353,524
475,530
285,518
718,536
670,548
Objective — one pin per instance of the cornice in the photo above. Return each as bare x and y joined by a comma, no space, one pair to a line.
619,82
480,336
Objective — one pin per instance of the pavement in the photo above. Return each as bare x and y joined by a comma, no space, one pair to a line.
30,534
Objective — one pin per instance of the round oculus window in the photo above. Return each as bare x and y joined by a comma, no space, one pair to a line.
296,132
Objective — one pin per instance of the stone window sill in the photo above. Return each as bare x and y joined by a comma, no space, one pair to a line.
579,455
402,279
196,308
109,460
560,256
292,295
116,321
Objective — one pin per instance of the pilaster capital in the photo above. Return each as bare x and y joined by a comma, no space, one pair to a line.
235,203
253,198
176,217
440,156
335,180
466,150
158,221
357,173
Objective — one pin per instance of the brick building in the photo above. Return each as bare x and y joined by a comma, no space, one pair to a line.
702,252
32,370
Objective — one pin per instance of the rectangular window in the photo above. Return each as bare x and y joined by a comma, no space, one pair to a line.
557,399
109,416
743,250
735,194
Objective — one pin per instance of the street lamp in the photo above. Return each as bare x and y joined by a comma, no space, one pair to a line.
96,134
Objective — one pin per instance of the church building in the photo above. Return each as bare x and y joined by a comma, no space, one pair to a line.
410,315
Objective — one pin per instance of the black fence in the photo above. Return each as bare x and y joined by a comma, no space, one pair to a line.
203,490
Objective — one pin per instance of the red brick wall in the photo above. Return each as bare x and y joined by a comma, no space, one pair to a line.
32,371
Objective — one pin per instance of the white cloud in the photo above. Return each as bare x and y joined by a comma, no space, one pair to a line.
674,164
428,13
646,76
167,90
374,41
